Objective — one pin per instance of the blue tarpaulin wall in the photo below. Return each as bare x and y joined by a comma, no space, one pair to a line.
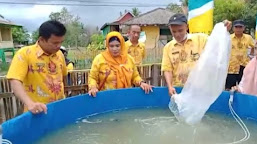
28,128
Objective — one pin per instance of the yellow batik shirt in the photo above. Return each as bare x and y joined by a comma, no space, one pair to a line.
100,68
70,67
137,52
41,74
239,52
181,58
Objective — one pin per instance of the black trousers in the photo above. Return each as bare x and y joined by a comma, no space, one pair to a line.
232,79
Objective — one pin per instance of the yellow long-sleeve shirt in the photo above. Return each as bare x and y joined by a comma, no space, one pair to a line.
100,68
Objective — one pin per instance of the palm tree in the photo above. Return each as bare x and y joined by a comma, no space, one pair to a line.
125,11
135,11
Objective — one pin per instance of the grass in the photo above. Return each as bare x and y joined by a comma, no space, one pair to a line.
82,58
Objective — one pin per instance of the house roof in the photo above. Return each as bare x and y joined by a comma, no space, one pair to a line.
121,17
109,24
6,22
117,22
159,16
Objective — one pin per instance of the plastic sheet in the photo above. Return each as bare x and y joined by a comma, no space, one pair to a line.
207,79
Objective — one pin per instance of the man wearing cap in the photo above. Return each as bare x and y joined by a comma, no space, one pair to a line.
242,50
181,54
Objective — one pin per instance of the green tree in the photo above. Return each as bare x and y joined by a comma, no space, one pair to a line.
75,36
135,11
97,38
96,42
249,13
34,36
55,16
175,8
20,35
64,16
236,9
228,9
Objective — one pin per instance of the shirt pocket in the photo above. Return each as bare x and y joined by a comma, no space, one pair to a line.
175,56
194,55
39,67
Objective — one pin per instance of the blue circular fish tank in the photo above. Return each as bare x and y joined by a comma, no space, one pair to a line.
28,128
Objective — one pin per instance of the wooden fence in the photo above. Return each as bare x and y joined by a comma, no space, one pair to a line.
153,55
75,84
10,106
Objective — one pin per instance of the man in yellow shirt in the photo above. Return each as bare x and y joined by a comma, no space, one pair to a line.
135,48
181,54
36,72
242,49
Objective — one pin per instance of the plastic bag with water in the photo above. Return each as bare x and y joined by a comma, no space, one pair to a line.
207,79
174,108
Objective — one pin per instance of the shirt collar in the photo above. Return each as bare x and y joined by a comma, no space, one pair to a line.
40,51
130,43
234,35
189,38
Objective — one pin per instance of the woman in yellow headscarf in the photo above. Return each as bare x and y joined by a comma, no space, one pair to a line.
114,68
